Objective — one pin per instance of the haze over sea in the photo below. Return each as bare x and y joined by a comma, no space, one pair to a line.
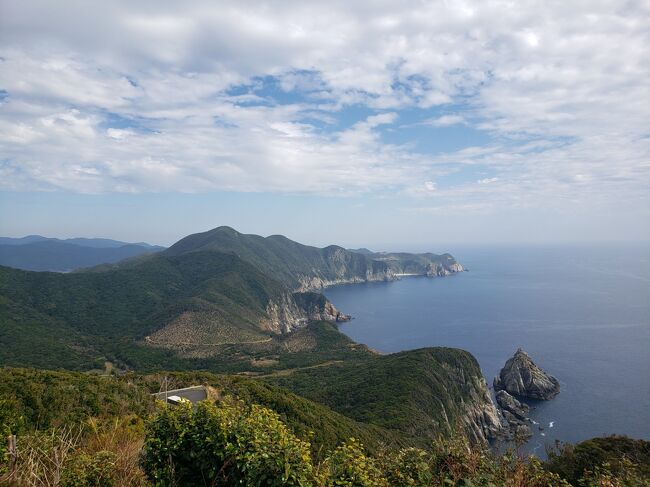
581,312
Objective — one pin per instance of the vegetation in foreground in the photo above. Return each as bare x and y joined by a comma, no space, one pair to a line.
405,399
111,434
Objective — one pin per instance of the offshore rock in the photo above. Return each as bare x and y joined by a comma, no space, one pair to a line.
515,428
521,377
514,416
508,403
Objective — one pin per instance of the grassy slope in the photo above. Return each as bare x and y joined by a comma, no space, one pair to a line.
78,321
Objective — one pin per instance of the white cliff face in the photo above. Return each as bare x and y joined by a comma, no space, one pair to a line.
313,283
293,311
440,270
284,316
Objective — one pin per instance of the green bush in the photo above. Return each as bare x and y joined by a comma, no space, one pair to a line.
610,455
11,422
409,467
86,470
224,443
348,466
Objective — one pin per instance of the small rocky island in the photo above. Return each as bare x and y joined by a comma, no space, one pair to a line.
520,377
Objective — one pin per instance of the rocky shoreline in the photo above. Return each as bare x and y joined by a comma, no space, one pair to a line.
433,269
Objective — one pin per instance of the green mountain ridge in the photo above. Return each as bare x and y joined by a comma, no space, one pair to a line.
304,267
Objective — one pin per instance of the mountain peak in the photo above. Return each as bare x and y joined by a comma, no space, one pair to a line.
224,229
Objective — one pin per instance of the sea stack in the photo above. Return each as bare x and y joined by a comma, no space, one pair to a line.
522,378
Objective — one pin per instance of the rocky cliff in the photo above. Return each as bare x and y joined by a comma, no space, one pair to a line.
311,283
521,377
293,310
383,268
427,264
439,269
515,415
481,418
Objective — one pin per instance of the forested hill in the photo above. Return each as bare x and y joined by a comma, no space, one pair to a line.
204,307
305,267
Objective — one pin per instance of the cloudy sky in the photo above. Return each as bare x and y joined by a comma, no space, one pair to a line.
361,123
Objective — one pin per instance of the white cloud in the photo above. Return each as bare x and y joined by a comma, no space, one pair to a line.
445,121
133,96
487,180
118,134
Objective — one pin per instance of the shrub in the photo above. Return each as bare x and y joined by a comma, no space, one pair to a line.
409,467
85,470
10,423
348,466
227,442
621,455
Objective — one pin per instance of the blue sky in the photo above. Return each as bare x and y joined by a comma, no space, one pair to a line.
371,123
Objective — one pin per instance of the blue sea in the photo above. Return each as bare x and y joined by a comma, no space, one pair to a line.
582,313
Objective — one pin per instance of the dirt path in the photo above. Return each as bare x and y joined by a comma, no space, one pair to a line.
285,372
192,344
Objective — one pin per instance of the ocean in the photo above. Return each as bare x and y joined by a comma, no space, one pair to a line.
581,312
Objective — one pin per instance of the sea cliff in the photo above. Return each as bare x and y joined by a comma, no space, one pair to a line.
294,310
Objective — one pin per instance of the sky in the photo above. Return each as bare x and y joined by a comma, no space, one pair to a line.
363,123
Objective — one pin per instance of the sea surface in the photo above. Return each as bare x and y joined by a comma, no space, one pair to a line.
582,313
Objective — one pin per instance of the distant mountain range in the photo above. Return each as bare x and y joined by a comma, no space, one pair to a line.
38,253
